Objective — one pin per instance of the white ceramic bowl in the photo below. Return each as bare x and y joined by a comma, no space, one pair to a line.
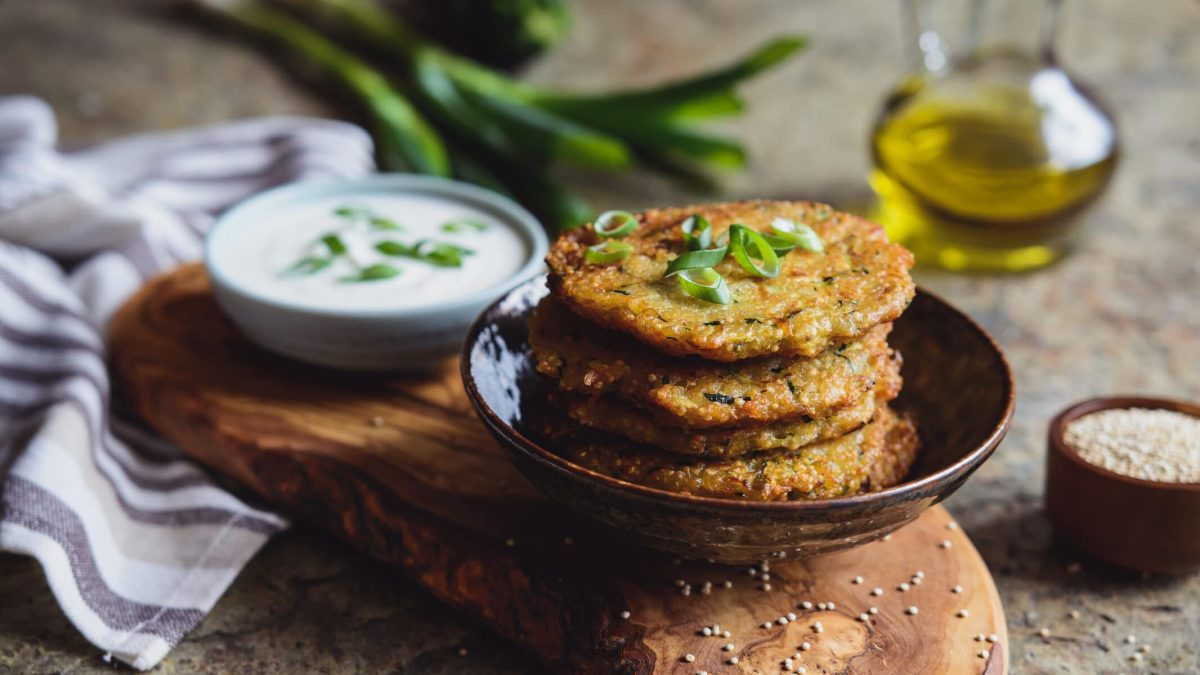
363,339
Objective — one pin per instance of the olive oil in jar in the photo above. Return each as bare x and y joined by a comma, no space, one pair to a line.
983,173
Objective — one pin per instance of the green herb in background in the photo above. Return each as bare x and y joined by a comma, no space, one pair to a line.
488,128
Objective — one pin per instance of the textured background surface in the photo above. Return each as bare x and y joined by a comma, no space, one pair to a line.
1119,316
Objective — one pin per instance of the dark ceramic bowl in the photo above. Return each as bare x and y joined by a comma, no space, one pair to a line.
1141,524
956,384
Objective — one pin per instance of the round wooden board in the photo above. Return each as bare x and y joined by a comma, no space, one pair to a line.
402,469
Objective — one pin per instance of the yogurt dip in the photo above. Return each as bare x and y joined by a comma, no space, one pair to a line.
384,272
314,252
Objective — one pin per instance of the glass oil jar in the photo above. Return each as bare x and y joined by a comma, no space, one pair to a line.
985,157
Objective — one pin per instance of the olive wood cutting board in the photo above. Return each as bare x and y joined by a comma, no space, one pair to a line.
399,467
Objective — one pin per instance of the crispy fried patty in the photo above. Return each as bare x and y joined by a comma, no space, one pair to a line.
818,301
700,394
875,456
623,419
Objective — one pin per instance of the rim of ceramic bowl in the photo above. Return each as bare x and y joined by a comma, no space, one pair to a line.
536,451
1086,407
521,220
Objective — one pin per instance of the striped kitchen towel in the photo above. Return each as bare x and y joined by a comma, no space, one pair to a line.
137,543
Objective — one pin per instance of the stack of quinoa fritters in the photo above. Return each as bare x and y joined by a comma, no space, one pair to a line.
779,395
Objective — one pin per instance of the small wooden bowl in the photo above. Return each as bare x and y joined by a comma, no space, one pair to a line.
1140,524
957,385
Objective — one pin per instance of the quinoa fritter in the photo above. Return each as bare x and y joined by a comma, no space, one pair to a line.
873,457
818,301
585,358
623,419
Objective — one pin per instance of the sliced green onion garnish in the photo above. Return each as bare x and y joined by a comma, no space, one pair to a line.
705,283
804,236
465,224
373,273
779,244
697,232
381,223
607,252
695,260
334,243
352,212
440,254
310,265
753,252
614,224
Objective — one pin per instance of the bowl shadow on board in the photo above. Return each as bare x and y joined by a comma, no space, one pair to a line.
957,386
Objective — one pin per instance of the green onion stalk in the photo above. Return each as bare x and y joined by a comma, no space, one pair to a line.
497,131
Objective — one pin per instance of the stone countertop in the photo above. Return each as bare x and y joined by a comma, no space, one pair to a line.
1118,316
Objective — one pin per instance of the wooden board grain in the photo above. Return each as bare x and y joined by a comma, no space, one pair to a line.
401,468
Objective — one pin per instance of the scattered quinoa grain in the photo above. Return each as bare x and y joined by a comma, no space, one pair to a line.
377,421
1044,632
911,611
765,587
766,624
732,661
980,637
625,614
1130,639
877,591
782,621
805,646
993,638
916,581
1074,614
791,616
1136,656
903,586
822,606
728,647
689,657
873,610
706,631
945,543
919,574
1144,648
806,605
962,614
680,583
727,584
952,525
726,634
856,580
956,589
864,617
830,606
983,653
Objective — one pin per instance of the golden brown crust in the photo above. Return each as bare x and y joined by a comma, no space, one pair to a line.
609,414
833,468
694,393
818,301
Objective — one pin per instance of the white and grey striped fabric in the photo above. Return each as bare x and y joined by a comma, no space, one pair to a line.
137,543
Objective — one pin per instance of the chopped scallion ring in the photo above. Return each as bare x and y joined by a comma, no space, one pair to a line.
334,243
697,232
607,252
780,245
804,236
706,284
614,224
753,252
695,260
